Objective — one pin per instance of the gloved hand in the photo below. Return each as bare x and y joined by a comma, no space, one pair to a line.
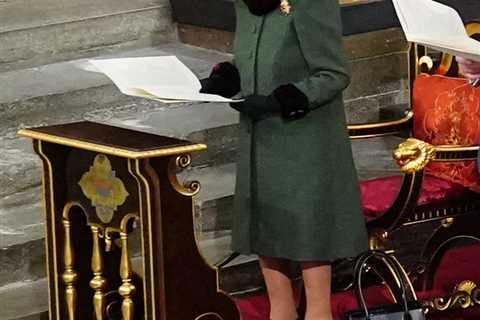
224,80
257,106
287,100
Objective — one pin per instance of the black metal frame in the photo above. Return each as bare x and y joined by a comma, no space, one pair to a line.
405,210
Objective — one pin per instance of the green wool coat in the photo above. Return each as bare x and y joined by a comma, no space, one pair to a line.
296,189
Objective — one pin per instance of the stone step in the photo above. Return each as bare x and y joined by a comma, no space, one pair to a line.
214,203
239,276
24,300
30,95
53,30
60,93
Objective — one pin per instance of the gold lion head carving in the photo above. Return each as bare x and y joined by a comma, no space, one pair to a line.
413,155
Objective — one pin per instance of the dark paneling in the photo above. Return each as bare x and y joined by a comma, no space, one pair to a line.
368,17
468,9
217,14
376,15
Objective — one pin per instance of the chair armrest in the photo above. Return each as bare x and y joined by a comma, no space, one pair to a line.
455,153
379,129
414,155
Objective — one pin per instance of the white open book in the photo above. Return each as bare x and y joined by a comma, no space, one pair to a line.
437,26
163,78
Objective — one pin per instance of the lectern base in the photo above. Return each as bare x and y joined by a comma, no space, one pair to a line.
101,183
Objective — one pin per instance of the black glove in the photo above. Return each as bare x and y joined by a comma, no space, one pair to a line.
224,80
287,100
294,102
257,106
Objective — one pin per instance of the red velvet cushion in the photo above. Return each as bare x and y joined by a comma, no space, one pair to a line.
457,265
379,194
257,307
254,308
447,111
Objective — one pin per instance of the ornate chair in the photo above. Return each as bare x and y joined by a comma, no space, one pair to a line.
440,184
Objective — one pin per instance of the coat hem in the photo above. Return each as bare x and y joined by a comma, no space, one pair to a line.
304,257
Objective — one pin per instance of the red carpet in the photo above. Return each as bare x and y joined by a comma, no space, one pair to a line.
457,265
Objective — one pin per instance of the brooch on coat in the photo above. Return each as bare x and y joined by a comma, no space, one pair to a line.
285,7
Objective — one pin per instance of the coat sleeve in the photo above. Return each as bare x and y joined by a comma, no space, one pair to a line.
318,27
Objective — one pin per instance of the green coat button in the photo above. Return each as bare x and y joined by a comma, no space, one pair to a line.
254,29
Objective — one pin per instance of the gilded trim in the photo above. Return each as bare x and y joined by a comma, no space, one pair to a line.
142,226
150,233
376,125
378,239
127,289
52,222
465,295
98,282
472,28
377,135
454,148
111,150
182,162
69,276
189,188
436,214
413,155
125,220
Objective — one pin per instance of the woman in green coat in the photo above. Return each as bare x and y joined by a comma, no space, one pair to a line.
296,191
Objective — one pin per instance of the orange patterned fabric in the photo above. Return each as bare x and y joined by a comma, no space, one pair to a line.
447,111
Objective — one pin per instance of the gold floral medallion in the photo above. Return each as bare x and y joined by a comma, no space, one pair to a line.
103,188
285,7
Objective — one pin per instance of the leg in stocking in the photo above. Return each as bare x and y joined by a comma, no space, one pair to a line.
317,281
279,288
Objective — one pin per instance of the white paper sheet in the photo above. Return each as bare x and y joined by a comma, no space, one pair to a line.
437,26
164,78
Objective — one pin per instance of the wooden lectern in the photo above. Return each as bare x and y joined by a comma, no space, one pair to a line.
99,182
